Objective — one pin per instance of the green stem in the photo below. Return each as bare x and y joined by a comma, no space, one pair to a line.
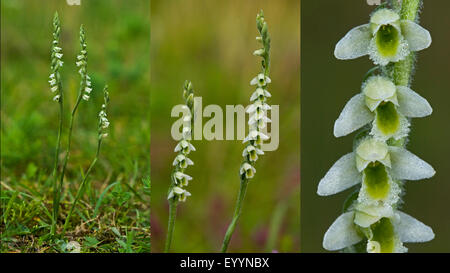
82,185
171,225
66,158
237,213
403,69
55,167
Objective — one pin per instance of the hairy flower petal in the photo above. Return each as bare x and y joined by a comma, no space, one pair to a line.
341,233
418,38
411,230
407,166
412,104
341,176
354,116
354,44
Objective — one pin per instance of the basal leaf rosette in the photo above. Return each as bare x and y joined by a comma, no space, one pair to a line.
378,167
381,230
386,106
386,38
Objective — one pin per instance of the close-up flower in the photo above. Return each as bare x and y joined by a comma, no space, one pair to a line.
387,235
386,106
373,161
386,38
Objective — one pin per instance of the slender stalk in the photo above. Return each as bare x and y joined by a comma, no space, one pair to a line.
66,159
55,167
171,225
82,185
237,214
403,69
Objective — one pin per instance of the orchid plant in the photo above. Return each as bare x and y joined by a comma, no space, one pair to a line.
258,121
381,113
84,93
179,179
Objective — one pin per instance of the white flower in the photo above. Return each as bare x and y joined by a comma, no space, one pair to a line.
258,107
180,193
57,49
385,39
56,98
105,123
259,52
54,88
260,94
370,151
260,80
252,152
386,106
58,55
104,135
182,161
52,76
259,119
255,136
79,63
182,178
80,57
187,132
87,90
345,172
184,146
52,82
86,97
247,170
386,235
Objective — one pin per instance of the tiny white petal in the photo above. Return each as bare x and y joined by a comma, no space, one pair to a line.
418,38
254,81
341,176
412,104
367,215
384,17
407,166
354,116
354,44
411,230
178,190
341,233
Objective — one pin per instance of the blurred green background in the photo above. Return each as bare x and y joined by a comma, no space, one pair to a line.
211,44
118,39
328,84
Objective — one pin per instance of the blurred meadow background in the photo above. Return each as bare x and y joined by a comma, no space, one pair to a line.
329,83
114,214
211,43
